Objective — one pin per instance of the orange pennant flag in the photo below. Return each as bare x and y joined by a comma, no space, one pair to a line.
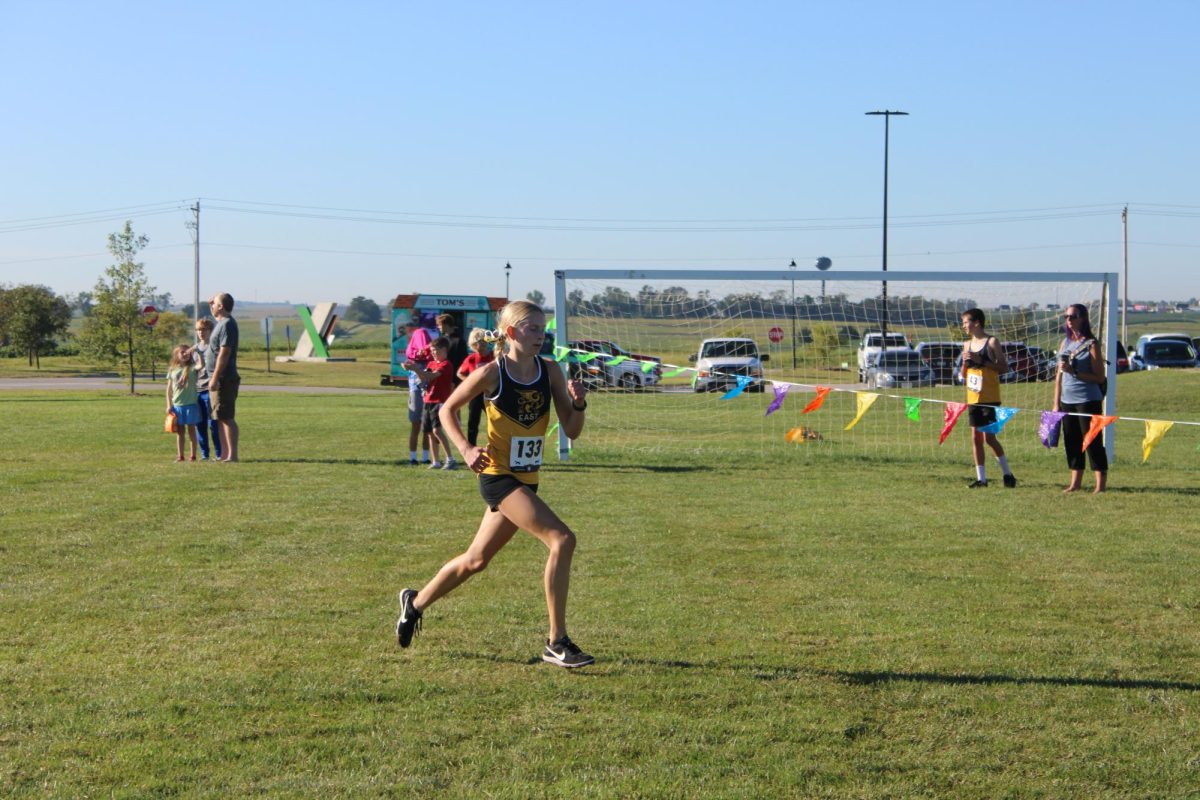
822,391
1099,423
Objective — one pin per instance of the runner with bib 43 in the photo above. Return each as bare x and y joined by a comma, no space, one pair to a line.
519,388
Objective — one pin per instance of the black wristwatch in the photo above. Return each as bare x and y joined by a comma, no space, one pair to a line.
579,408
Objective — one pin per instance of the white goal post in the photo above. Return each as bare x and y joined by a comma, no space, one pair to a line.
799,305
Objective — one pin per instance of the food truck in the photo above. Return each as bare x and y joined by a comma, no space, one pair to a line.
469,311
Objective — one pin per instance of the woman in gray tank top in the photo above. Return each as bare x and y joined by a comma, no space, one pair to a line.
1077,392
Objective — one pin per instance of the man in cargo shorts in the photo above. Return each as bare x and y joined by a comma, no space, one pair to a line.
224,381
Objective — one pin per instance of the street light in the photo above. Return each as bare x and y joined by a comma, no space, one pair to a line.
887,118
792,267
507,275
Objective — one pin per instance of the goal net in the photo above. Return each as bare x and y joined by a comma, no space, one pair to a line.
638,336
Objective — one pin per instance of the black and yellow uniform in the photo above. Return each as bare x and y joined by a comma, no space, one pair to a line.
518,415
983,381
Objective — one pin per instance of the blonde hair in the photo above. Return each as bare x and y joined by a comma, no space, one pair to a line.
511,315
179,358
477,335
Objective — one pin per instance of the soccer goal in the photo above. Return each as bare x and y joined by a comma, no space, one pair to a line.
807,330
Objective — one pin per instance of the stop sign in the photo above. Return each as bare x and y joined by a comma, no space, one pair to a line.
775,334
150,315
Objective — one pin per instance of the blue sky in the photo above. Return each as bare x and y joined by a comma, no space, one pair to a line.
452,138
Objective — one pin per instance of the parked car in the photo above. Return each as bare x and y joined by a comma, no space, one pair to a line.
1122,359
873,342
719,362
898,369
628,374
1153,353
1046,365
939,357
1024,366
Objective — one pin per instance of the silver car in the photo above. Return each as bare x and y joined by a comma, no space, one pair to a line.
898,369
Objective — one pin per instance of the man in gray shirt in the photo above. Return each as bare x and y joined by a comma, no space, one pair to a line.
224,381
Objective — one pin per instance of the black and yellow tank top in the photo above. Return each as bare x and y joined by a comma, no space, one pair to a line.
517,416
983,382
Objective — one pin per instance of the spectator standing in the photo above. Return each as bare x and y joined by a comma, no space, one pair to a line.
418,353
223,380
205,359
438,377
181,398
1077,391
481,354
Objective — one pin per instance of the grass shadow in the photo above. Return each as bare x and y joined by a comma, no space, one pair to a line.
873,678
350,462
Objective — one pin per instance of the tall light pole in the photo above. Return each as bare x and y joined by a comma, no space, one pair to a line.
1125,260
887,118
792,267
507,275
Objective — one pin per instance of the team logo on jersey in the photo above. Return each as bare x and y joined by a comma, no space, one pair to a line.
529,406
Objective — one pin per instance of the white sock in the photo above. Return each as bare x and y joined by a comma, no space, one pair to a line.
981,473
1003,461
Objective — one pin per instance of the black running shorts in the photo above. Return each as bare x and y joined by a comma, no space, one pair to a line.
495,488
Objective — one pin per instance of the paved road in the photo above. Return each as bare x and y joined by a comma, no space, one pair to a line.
52,384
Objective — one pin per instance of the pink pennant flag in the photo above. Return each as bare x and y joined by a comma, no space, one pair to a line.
781,391
1099,423
950,417
822,391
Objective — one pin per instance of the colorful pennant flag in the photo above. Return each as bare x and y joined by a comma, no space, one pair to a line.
586,357
912,408
781,390
561,352
864,401
648,366
1050,427
822,393
676,371
1156,429
742,382
616,360
1003,415
1099,423
552,324
950,417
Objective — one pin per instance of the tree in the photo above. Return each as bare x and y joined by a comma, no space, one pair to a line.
81,303
537,298
115,333
362,309
32,317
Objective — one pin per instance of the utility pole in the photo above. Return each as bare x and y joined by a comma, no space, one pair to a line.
196,265
1125,290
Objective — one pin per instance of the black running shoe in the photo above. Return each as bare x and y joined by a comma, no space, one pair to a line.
977,485
410,619
1010,481
565,653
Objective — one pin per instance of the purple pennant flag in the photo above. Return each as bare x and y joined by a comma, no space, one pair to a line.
742,382
780,393
1003,415
1050,426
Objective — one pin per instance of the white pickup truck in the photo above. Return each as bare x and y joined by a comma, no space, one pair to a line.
872,343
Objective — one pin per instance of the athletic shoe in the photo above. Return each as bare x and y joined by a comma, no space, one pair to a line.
977,485
412,462
1010,481
434,465
410,619
450,464
565,653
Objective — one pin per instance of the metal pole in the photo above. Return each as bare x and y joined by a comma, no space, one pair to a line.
507,275
792,266
887,118
1125,290
196,269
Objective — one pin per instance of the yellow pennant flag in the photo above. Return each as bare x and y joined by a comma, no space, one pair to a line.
1156,429
864,401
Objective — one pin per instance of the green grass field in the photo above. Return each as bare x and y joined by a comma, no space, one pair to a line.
846,624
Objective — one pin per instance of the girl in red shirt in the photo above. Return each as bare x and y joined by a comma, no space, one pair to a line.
481,353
